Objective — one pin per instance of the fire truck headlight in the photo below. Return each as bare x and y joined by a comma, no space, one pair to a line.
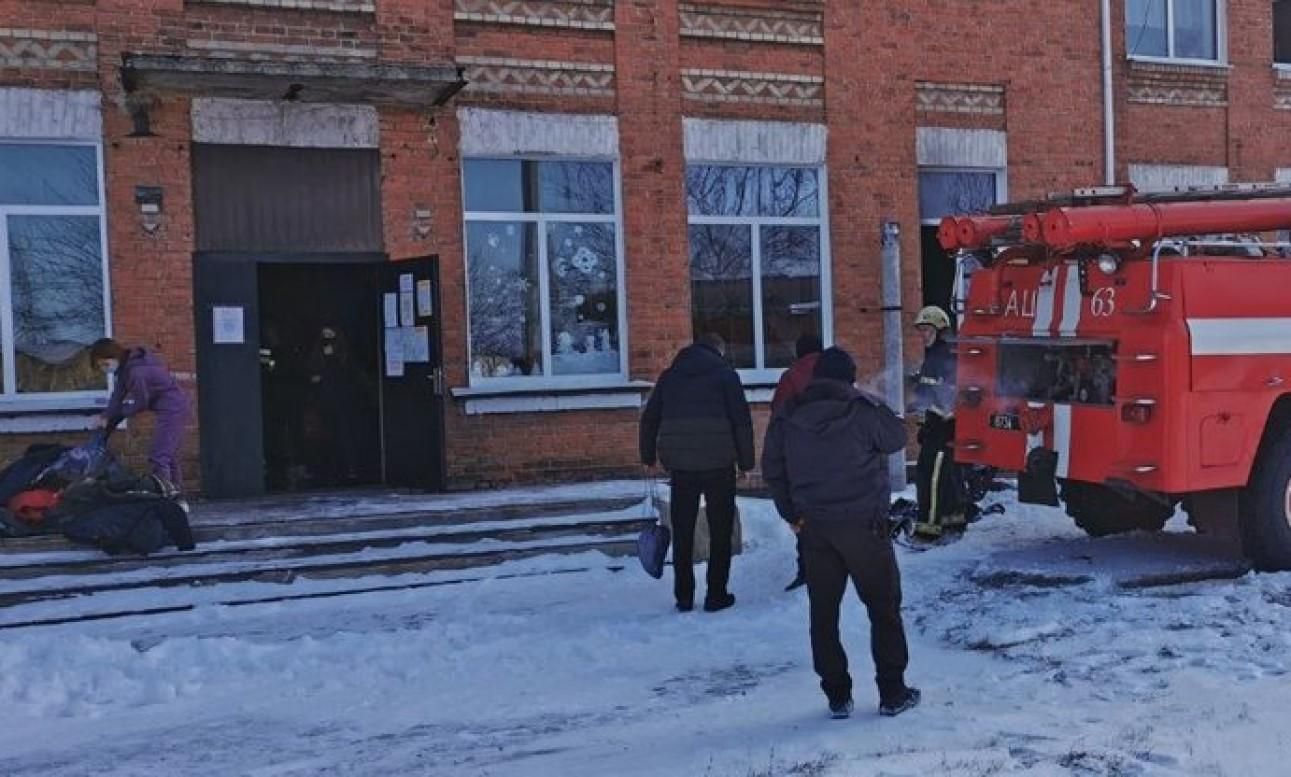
1109,263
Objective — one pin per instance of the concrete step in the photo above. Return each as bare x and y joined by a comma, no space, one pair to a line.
230,529
283,551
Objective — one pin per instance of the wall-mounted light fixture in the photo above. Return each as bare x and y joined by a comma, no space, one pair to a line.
149,200
421,222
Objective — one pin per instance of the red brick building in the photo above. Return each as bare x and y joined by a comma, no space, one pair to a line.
223,179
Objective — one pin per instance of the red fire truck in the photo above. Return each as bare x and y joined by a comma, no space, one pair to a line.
1133,353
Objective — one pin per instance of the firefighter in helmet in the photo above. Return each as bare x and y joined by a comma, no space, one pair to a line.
938,479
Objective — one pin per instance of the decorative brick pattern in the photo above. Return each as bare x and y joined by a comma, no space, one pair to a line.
280,51
48,49
335,6
699,21
537,76
578,14
981,99
1166,84
732,86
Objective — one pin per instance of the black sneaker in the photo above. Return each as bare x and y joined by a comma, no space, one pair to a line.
719,603
841,710
906,701
798,582
685,606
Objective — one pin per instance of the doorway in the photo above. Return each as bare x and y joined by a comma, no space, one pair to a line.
318,372
319,375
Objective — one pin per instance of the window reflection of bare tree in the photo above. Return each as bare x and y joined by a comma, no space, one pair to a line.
502,274
721,277
57,281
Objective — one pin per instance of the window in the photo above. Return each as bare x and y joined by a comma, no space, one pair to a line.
947,192
758,259
544,270
53,278
1282,32
1174,29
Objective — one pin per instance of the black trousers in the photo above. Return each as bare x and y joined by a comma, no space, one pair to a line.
718,489
938,479
859,550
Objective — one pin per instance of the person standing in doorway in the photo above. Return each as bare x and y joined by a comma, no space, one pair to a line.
144,384
338,395
939,482
697,424
792,383
825,462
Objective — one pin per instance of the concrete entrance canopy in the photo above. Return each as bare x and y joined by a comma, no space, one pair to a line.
332,82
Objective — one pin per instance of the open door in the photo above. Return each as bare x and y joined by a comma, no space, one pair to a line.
226,306
412,377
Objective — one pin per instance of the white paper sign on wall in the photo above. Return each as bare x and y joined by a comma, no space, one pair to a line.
228,326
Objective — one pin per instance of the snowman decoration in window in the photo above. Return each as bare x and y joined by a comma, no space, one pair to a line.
583,313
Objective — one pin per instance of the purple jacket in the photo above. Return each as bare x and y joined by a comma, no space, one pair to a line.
144,383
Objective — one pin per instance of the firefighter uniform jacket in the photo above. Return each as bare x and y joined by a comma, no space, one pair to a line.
934,390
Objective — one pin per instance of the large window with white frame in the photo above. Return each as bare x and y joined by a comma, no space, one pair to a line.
53,274
1190,30
544,265
759,259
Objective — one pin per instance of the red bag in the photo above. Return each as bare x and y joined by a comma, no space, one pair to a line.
30,506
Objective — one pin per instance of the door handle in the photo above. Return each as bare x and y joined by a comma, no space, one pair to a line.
436,379
1274,381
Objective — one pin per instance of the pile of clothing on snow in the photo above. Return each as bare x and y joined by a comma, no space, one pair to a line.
88,496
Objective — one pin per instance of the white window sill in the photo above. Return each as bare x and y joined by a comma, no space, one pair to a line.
1212,64
528,398
1283,69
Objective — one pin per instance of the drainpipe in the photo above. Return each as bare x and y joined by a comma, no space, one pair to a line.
893,358
1109,108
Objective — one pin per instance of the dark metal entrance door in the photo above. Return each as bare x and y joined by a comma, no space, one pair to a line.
228,375
412,377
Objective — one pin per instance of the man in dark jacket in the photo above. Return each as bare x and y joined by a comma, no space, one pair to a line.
825,461
697,424
792,383
938,481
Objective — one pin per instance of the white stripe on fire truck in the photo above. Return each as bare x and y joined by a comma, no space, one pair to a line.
1071,302
1240,336
1044,304
1062,438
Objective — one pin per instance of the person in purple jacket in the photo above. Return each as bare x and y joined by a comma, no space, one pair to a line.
143,383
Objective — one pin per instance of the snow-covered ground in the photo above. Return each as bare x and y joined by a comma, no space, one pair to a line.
592,673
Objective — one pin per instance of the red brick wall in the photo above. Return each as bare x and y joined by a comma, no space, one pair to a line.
1045,55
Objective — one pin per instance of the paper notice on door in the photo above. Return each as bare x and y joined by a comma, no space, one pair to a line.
425,302
391,307
394,347
416,344
227,326
406,309
405,282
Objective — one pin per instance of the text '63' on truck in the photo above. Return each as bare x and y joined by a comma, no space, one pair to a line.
1135,351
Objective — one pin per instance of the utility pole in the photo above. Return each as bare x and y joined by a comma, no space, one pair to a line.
893,355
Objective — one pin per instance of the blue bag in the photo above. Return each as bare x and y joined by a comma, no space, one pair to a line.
87,460
652,549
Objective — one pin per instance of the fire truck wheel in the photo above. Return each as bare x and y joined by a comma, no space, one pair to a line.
1266,509
1101,511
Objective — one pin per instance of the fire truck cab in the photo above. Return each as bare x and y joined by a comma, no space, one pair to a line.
1132,353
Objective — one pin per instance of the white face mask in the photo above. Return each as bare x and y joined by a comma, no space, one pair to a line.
328,350
108,366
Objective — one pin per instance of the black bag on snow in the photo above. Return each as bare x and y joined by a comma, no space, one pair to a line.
129,527
21,473
124,516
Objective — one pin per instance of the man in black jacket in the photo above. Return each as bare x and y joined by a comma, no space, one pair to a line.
825,460
697,424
